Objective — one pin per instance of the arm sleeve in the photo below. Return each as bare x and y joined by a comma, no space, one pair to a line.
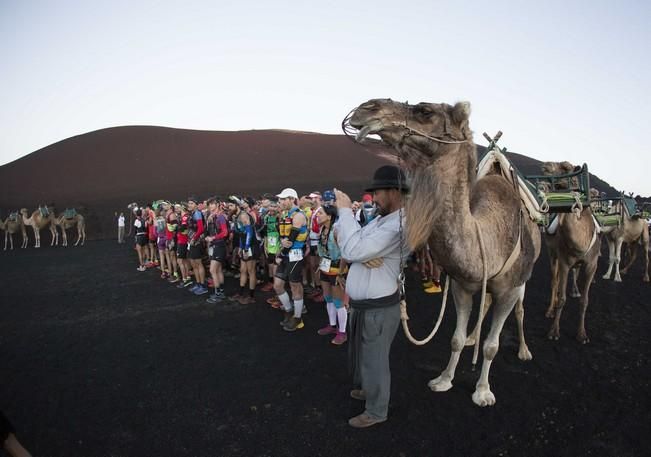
359,244
200,229
222,230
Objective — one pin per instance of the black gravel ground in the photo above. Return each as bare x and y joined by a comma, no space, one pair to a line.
102,360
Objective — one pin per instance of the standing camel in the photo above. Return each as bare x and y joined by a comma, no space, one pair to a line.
632,230
573,242
38,222
14,224
477,229
71,218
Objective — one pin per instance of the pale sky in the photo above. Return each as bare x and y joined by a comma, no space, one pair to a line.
564,80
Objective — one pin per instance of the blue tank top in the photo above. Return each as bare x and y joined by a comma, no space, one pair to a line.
330,248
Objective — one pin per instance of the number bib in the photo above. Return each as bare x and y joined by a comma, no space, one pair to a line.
295,255
210,250
324,266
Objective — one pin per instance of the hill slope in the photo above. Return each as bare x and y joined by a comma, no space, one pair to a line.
104,170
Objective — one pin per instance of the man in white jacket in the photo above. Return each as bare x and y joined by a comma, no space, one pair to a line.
372,285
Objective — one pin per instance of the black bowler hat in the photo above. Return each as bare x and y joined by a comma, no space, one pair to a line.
388,177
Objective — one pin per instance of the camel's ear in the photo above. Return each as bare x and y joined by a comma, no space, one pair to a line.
461,112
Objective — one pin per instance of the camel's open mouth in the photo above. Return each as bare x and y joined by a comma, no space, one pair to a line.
359,133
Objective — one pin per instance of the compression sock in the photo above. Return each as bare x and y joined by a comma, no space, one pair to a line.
332,311
342,317
251,292
284,299
242,291
298,308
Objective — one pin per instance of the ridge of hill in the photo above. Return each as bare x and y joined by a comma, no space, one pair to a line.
100,172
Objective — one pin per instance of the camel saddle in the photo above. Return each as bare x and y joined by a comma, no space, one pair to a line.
70,213
13,217
44,211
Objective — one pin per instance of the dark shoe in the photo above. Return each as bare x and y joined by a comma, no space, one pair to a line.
339,339
246,300
358,394
287,317
364,421
294,324
214,298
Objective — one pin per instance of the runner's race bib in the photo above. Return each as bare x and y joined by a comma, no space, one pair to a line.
324,266
210,250
295,255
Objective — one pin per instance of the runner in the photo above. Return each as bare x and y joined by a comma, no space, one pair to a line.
141,239
182,247
294,232
217,237
196,229
271,237
332,268
248,251
161,240
171,227
313,257
150,216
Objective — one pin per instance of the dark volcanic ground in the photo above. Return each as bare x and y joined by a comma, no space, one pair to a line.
101,360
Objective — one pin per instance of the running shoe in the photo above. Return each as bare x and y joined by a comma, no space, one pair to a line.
434,289
173,279
327,330
294,324
141,268
267,287
339,339
246,300
201,290
274,302
194,288
187,282
214,298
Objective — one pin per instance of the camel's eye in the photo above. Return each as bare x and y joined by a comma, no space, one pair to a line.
369,106
425,110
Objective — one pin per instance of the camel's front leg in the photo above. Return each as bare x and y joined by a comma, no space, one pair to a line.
618,257
552,299
590,269
645,246
37,238
631,248
575,288
470,341
64,236
501,310
563,273
78,236
611,258
24,245
523,351
463,304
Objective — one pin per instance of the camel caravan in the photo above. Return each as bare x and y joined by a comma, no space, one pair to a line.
484,221
43,218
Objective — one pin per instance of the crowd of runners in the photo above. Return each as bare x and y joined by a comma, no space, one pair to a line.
281,243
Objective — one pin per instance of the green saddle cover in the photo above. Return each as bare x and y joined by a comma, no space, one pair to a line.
70,213
608,220
44,211
13,217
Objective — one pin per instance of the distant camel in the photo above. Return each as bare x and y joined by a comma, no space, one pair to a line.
40,219
68,219
632,230
573,242
13,224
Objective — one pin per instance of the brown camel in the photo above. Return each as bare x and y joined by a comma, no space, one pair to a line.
38,222
69,219
14,224
475,228
573,242
632,230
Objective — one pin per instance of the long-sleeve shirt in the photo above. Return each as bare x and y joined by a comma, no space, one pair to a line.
379,239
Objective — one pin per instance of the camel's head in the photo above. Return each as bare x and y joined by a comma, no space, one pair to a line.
556,168
413,130
24,211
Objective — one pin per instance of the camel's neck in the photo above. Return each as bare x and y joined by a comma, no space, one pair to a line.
439,209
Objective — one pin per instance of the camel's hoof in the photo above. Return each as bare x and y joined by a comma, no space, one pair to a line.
618,279
645,279
583,339
439,384
605,277
483,397
524,354
553,335
575,295
549,314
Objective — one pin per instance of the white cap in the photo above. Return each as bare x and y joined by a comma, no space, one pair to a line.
288,193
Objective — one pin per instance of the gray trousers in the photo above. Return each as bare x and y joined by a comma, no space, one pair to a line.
120,234
378,331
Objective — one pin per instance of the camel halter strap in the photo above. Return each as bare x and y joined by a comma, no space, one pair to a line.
404,317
